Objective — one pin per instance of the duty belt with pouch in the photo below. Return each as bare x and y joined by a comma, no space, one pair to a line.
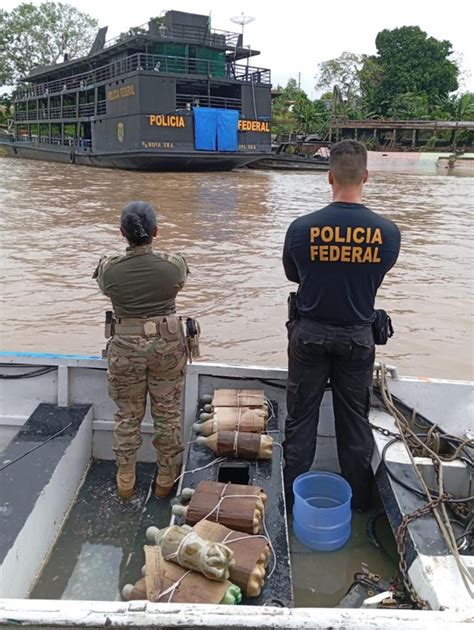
382,328
166,326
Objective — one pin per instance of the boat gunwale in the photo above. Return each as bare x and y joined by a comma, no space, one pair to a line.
20,359
143,614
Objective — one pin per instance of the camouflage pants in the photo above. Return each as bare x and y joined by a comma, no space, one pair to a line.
138,365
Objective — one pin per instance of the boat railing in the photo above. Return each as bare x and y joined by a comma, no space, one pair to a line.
145,62
39,139
205,67
188,101
69,111
187,33
78,143
101,107
55,112
181,65
86,109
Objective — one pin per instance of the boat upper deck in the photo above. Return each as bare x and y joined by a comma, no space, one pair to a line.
177,44
143,62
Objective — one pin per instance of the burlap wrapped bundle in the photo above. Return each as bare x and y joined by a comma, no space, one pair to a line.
232,418
239,445
168,582
242,510
238,398
251,555
191,551
223,489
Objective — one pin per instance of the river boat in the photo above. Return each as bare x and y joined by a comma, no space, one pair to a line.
287,157
170,95
56,432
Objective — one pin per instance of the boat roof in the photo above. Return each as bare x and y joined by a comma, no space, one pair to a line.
140,36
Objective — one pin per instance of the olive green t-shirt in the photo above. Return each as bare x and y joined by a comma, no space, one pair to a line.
142,282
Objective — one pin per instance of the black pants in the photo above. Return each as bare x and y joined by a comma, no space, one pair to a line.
344,356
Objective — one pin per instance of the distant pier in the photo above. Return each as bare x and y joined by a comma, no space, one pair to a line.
408,135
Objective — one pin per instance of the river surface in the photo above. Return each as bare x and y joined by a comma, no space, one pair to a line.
57,220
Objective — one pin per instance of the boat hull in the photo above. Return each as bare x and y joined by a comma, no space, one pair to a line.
131,160
69,380
289,163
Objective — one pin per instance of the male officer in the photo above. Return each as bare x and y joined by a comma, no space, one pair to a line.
338,256
147,352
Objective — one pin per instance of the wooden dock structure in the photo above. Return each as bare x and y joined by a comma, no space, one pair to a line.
390,134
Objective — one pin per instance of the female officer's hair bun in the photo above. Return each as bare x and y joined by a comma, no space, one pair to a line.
138,222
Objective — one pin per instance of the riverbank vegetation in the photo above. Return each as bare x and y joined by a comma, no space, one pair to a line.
41,35
411,77
32,36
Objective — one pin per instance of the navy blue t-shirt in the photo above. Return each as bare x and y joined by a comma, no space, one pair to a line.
339,256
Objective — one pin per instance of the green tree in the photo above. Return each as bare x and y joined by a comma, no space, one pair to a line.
32,36
310,117
5,108
464,107
342,71
293,111
283,103
407,62
409,105
284,120
370,78
323,115
327,96
292,91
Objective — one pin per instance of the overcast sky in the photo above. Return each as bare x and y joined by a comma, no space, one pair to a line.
294,36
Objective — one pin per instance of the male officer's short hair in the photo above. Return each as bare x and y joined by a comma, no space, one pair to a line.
138,221
348,162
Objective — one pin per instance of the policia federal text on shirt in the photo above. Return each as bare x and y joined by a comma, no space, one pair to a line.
338,256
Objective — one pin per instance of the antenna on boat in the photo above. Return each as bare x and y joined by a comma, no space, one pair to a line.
243,20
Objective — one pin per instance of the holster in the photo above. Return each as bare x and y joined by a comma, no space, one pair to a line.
109,330
193,332
109,324
292,310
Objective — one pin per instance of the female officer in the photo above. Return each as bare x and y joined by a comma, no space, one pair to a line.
147,352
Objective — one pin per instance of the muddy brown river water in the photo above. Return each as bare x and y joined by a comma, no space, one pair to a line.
57,220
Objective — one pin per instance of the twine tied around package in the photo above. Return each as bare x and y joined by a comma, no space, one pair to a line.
229,496
171,589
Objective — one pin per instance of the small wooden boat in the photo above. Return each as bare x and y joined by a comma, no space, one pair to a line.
56,432
287,157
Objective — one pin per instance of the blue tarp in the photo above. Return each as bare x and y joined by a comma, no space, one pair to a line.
227,127
215,129
205,128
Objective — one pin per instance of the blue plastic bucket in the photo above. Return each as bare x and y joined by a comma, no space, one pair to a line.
322,510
